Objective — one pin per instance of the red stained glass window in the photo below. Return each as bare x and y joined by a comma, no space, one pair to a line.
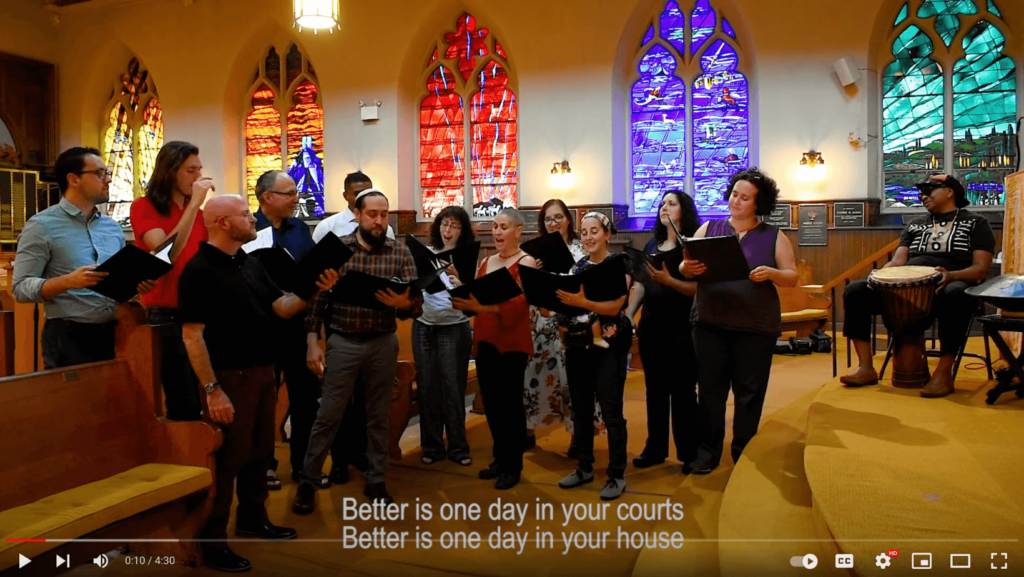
499,50
262,140
495,161
466,44
442,144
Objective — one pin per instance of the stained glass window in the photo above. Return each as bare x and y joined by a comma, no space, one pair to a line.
306,145
945,11
648,36
442,144
495,164
658,130
293,141
488,131
912,113
703,23
992,8
984,112
721,130
902,15
981,113
134,135
119,153
719,104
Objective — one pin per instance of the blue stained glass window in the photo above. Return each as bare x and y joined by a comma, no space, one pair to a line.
912,116
992,8
658,130
946,22
902,15
703,22
649,35
727,28
673,26
984,112
721,127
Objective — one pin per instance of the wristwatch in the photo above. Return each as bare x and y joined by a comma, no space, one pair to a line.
210,387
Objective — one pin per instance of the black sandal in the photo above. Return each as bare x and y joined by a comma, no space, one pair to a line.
464,461
273,483
428,460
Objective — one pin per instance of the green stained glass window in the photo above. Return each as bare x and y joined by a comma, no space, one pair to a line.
984,111
912,116
992,8
945,11
902,15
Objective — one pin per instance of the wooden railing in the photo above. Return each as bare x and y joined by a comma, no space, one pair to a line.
869,263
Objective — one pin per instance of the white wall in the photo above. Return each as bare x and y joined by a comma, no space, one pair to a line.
569,58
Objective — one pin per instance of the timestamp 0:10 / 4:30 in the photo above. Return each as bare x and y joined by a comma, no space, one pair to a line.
148,560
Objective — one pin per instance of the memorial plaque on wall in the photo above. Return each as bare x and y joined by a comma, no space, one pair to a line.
781,217
813,225
848,215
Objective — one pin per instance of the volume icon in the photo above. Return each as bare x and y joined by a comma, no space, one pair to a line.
102,561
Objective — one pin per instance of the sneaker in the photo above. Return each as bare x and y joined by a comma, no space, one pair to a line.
506,481
613,489
576,479
378,493
490,473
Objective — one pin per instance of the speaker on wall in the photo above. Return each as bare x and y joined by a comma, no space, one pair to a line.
846,70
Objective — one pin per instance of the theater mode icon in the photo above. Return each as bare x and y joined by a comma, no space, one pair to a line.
959,560
844,561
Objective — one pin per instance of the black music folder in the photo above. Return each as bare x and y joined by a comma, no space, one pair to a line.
126,269
359,289
552,251
723,257
463,258
329,253
601,283
670,259
491,289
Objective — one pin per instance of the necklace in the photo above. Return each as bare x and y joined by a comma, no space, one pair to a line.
939,231
744,231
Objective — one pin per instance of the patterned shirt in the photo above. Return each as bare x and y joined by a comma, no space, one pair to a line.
947,240
391,260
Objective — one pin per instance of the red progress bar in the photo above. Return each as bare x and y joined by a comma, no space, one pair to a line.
26,540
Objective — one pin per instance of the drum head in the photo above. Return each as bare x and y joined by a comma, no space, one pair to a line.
903,274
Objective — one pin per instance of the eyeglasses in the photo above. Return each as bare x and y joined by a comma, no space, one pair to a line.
451,225
557,219
99,172
289,194
925,194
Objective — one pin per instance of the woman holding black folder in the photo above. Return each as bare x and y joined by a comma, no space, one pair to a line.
594,369
442,341
736,323
502,346
666,338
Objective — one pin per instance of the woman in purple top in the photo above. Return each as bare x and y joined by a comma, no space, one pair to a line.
736,323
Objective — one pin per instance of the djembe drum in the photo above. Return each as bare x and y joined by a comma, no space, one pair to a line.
907,293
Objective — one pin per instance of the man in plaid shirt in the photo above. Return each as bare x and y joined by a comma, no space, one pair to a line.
360,343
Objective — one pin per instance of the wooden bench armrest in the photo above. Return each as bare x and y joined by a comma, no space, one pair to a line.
184,443
812,288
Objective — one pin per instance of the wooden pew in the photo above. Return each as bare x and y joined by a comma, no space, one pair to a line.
805,308
87,456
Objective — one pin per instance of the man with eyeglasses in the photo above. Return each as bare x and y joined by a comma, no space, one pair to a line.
58,251
959,244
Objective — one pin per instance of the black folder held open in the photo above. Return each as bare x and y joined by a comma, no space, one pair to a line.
301,277
601,283
491,289
463,258
670,259
125,270
360,289
723,257
552,251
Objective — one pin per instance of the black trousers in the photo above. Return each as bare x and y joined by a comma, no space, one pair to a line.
952,307
670,373
66,343
501,386
303,392
248,447
591,372
179,381
730,360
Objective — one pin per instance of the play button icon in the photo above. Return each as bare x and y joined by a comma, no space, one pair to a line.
23,560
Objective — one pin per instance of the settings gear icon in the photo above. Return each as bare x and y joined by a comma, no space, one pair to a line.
882,560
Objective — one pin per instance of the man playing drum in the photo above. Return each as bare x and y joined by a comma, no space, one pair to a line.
959,244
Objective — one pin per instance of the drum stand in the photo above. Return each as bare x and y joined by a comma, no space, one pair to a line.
1004,377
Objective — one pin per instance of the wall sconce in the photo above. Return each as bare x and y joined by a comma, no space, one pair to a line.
812,167
561,176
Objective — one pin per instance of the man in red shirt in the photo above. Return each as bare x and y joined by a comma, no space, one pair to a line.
172,211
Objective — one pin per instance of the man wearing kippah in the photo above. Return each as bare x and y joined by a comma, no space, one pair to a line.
959,244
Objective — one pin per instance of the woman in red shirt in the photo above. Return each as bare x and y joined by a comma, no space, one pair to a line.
170,210
502,345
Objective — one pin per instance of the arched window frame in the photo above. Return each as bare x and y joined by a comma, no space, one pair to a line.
466,89
688,69
901,15
134,90
283,102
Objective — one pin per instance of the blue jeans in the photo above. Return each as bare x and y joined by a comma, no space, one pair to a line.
442,361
